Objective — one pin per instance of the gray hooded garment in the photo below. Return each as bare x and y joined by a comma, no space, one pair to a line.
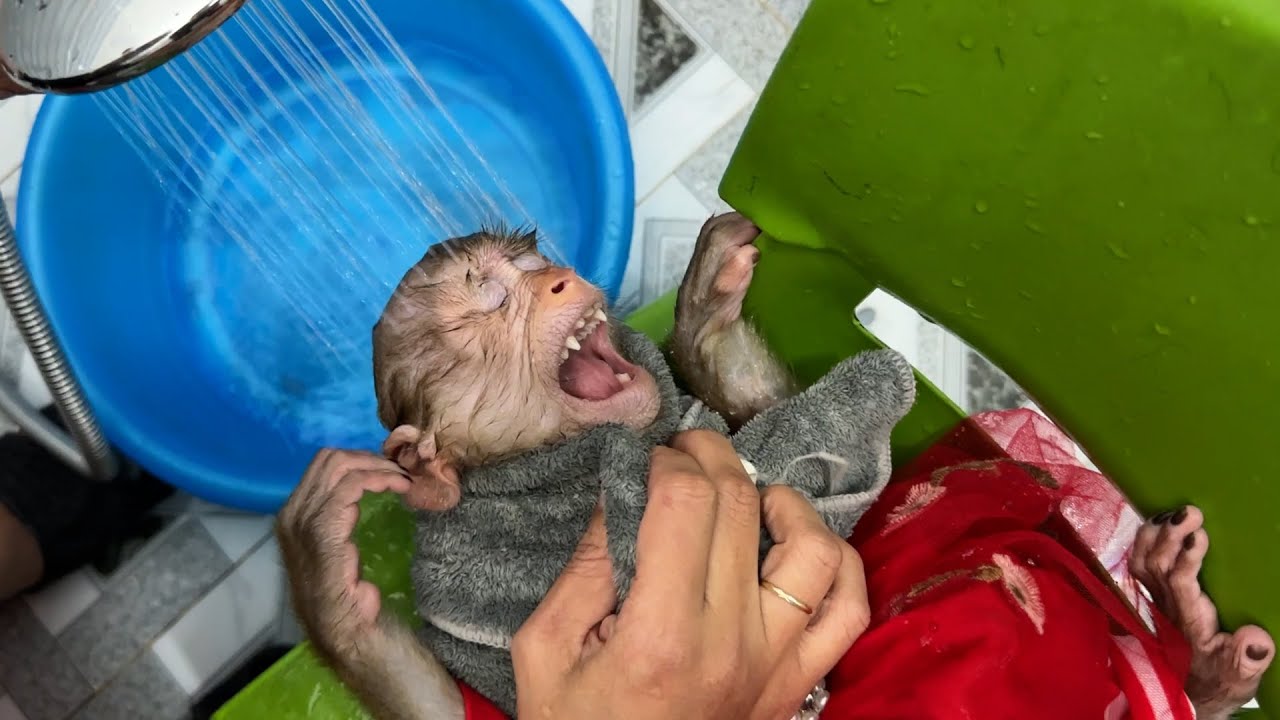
481,568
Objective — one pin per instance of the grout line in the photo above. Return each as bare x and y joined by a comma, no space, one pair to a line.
772,11
690,156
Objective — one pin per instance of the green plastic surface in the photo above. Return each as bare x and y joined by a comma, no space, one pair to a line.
1087,191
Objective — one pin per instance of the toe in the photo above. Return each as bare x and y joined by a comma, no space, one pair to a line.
1143,541
1184,576
1254,651
1168,545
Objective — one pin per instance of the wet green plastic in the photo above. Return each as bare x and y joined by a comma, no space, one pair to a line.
1088,192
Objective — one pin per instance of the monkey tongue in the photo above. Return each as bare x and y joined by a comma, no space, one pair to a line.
590,373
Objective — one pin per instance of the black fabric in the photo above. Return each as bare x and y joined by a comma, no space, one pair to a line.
75,520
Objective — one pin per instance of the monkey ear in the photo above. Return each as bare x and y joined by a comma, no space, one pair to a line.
436,485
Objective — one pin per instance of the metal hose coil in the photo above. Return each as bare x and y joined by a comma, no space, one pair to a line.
95,455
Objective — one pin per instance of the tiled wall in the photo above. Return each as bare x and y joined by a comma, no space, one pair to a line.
207,590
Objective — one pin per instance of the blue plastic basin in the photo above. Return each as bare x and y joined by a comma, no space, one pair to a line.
197,362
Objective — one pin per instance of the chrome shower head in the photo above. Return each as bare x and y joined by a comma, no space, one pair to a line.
78,46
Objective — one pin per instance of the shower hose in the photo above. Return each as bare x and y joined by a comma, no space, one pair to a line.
86,449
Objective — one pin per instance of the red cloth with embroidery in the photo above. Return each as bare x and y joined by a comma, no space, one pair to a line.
993,563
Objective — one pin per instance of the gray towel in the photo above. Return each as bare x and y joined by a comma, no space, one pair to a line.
482,567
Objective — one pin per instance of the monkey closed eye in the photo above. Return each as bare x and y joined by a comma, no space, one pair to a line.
484,384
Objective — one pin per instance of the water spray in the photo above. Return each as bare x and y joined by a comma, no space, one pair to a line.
73,47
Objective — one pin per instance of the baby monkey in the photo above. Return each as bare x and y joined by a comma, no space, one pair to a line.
487,349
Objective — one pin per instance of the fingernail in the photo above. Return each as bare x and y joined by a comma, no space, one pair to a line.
1256,653
1179,516
1188,542
1159,519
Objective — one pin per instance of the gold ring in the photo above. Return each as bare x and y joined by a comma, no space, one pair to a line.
786,596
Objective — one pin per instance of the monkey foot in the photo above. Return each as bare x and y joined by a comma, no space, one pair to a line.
1226,668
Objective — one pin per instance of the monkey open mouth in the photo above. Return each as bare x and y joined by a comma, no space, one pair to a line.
591,369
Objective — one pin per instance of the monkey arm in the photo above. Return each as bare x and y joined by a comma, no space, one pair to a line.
396,678
733,371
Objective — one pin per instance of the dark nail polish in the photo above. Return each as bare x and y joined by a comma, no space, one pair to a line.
1179,516
1189,542
1256,653
1162,517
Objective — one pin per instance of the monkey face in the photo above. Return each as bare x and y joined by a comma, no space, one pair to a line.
496,350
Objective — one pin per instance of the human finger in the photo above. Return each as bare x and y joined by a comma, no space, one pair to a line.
673,543
840,620
801,567
555,634
735,543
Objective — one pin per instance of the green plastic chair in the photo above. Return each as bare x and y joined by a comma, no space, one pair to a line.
1084,190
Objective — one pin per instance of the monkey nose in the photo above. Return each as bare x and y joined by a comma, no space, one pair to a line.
559,286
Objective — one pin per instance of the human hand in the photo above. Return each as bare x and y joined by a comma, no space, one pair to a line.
698,636
334,606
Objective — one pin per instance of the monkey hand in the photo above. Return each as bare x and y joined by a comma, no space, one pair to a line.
721,358
334,606
716,281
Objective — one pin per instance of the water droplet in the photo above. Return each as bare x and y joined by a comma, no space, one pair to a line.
1093,135
838,100
1042,30
1025,294
969,303
1192,300
892,54
1103,79
1035,228
879,2
1104,97
1031,202
958,282
895,217
1120,204
912,89
1163,330
1117,251
981,207
1032,89
805,85
1225,21
1252,220
967,42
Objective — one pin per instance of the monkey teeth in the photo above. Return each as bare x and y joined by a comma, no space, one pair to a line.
623,378
582,329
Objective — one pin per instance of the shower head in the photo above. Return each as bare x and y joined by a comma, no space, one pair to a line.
77,46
